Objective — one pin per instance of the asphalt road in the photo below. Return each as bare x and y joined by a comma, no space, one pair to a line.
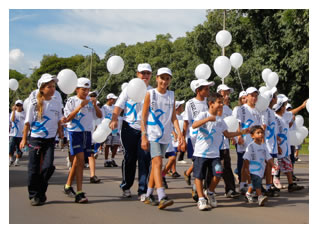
106,206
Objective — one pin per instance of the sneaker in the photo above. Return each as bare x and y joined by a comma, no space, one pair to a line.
254,195
142,197
43,199
69,165
175,175
69,191
211,199
164,182
187,178
164,202
114,164
16,163
203,205
94,179
10,162
86,165
108,164
232,194
35,202
96,155
262,200
194,195
271,193
249,197
151,201
274,188
182,162
126,193
81,198
294,187
294,178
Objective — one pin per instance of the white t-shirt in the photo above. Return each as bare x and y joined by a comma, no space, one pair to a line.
248,117
269,119
48,126
225,113
257,156
209,137
57,96
132,110
18,124
107,111
283,133
192,109
159,124
83,120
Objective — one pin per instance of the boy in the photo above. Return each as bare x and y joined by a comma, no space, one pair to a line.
254,164
206,152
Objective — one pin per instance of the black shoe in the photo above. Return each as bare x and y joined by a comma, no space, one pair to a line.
232,194
274,188
294,187
107,164
187,178
35,201
81,198
94,180
69,191
43,199
164,182
294,178
114,164
271,193
263,190
175,175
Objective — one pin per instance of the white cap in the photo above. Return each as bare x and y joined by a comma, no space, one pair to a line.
84,82
144,67
46,77
163,71
288,106
251,90
19,102
178,103
280,101
111,96
224,87
283,97
242,93
201,82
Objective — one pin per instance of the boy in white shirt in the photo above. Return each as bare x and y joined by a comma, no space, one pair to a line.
254,165
207,149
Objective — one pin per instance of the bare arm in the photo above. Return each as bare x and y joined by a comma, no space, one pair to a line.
25,135
114,120
144,117
13,116
97,109
75,111
298,109
234,134
201,122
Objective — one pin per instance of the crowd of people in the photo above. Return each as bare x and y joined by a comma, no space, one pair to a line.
155,128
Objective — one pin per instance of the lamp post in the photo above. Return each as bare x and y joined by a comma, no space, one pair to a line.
92,50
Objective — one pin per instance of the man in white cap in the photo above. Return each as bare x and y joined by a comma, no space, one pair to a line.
17,123
228,177
113,140
131,138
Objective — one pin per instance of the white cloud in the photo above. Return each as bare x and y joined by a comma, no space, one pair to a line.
19,62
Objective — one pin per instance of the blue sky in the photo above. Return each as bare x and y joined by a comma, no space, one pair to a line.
33,33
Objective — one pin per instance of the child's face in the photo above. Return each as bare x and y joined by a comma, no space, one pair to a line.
19,107
82,92
163,80
145,76
226,96
258,135
243,99
217,105
204,92
252,98
49,88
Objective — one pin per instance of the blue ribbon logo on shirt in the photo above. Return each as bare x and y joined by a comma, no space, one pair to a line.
209,136
247,124
76,122
132,109
284,139
40,126
271,130
255,163
156,121
15,126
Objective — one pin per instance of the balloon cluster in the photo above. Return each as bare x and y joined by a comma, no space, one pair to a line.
102,131
270,78
297,136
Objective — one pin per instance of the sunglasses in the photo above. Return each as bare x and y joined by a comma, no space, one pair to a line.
145,73
18,105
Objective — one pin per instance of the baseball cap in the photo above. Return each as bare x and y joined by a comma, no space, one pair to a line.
163,71
242,93
282,96
18,102
46,77
144,67
223,87
84,82
111,96
280,101
251,90
288,106
201,82
178,103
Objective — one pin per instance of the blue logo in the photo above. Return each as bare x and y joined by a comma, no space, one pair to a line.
132,109
40,126
76,122
156,121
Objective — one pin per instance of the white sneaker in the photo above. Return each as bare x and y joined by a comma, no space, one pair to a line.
126,193
249,197
211,199
86,165
202,205
262,200
142,197
96,155
182,162
16,163
10,162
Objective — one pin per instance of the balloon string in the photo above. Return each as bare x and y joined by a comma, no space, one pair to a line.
104,85
240,79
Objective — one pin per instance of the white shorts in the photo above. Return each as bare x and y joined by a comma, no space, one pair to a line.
113,140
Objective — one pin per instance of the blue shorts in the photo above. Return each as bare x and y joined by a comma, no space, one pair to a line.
170,154
274,155
200,166
157,149
80,142
14,143
256,181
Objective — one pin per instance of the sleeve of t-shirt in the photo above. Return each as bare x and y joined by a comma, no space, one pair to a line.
121,101
268,156
246,155
69,107
235,111
29,114
201,116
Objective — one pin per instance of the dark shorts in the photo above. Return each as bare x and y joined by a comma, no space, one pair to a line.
190,149
80,142
14,143
256,181
200,166
170,154
274,155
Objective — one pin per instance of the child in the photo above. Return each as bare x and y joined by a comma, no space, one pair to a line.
159,110
79,114
17,118
254,164
207,151
113,140
43,118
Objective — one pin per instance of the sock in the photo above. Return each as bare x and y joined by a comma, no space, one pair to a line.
67,186
201,198
78,192
161,193
149,192
209,192
268,186
242,184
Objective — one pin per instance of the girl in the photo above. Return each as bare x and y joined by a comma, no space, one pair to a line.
79,115
159,110
43,118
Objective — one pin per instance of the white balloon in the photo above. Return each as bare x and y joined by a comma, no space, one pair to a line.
262,103
263,89
299,121
232,123
67,81
236,60
26,104
115,64
192,86
124,85
272,79
99,135
105,124
303,131
222,66
265,73
293,139
223,38
136,89
202,71
13,84
307,105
